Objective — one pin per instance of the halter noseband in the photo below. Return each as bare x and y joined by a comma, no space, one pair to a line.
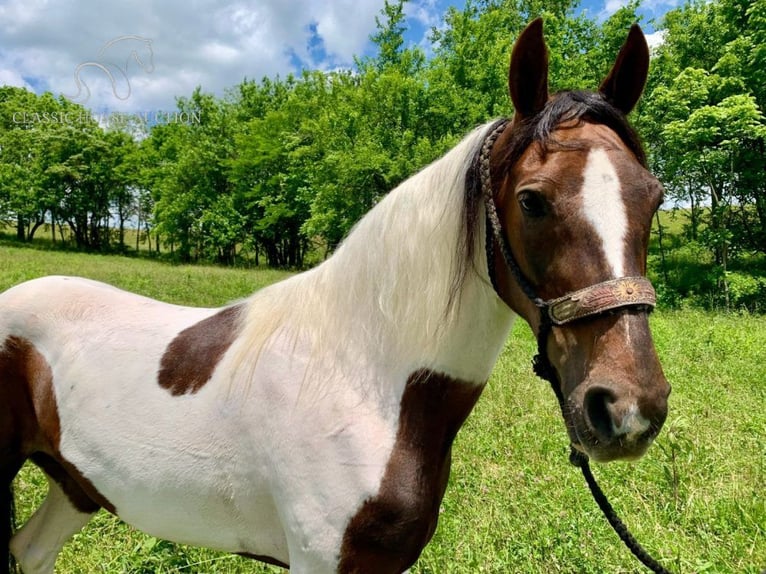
614,294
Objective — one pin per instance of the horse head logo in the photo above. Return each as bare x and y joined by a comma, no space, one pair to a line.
139,50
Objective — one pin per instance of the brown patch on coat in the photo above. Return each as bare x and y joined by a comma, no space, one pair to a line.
30,425
190,359
79,490
389,531
18,425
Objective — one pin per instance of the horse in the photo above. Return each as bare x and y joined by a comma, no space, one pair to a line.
310,425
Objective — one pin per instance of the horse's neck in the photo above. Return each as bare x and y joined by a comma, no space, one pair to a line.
384,301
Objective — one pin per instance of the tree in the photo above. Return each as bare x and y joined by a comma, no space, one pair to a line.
21,146
189,177
705,124
270,180
389,37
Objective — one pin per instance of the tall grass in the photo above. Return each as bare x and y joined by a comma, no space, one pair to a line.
514,504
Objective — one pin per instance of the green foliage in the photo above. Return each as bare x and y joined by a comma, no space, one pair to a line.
57,164
685,273
704,124
745,291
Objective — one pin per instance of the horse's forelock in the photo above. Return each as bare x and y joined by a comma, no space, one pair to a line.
571,107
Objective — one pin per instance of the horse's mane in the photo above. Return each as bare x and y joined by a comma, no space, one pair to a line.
388,287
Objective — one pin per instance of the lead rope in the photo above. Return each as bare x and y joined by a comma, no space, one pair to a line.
541,363
580,459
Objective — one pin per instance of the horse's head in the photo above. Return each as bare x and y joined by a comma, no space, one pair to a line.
575,204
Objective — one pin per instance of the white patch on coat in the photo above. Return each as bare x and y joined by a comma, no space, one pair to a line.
604,208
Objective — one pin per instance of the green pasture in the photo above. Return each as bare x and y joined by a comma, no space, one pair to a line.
697,500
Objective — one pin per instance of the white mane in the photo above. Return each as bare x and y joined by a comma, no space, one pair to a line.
383,298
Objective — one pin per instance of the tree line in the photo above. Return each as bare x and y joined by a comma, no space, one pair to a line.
281,166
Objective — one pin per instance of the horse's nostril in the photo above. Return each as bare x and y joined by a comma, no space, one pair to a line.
599,417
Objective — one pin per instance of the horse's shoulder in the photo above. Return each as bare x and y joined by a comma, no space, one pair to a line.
390,529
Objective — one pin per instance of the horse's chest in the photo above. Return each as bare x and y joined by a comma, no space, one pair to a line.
389,530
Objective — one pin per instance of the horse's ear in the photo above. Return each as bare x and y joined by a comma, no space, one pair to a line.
625,82
528,72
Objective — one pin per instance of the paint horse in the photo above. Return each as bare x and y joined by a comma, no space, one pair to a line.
310,425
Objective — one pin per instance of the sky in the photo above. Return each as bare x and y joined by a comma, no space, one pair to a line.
139,55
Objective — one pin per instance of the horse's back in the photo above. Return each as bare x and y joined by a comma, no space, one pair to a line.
77,322
63,302
91,360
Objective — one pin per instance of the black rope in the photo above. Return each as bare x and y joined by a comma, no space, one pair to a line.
580,459
541,364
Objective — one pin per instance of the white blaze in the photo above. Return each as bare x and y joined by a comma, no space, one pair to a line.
604,208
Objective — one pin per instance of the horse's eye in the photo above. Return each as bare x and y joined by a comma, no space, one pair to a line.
532,203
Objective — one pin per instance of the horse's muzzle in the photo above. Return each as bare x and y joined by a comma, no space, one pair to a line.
610,423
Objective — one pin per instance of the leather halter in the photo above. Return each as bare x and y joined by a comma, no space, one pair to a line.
614,294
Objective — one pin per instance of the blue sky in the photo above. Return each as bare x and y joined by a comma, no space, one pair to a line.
650,11
140,54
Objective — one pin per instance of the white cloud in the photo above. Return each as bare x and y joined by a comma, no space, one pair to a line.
611,6
10,77
345,25
210,43
656,38
217,52
427,12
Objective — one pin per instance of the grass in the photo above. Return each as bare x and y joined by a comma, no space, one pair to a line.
514,504
198,285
